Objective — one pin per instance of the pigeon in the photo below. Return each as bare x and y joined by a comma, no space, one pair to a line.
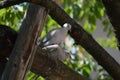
56,36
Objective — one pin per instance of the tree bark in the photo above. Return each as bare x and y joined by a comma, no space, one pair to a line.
113,11
25,47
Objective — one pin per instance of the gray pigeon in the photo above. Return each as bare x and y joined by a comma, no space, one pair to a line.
56,36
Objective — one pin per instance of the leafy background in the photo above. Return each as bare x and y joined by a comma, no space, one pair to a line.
86,13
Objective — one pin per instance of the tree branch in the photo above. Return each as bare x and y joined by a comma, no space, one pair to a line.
43,64
25,47
53,69
113,12
8,3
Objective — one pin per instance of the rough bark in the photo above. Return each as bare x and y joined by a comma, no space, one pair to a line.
113,11
25,47
43,65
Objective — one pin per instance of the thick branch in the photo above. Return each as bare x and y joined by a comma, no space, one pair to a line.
53,69
42,65
25,47
113,12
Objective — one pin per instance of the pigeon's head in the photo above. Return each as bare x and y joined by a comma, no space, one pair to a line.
67,25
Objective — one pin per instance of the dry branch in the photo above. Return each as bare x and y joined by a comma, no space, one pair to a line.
25,47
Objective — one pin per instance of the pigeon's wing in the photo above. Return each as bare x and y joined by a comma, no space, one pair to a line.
48,37
58,36
55,46
55,36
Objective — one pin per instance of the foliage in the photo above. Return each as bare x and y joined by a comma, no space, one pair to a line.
86,13
13,15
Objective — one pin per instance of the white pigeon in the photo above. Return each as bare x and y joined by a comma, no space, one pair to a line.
56,36
57,52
